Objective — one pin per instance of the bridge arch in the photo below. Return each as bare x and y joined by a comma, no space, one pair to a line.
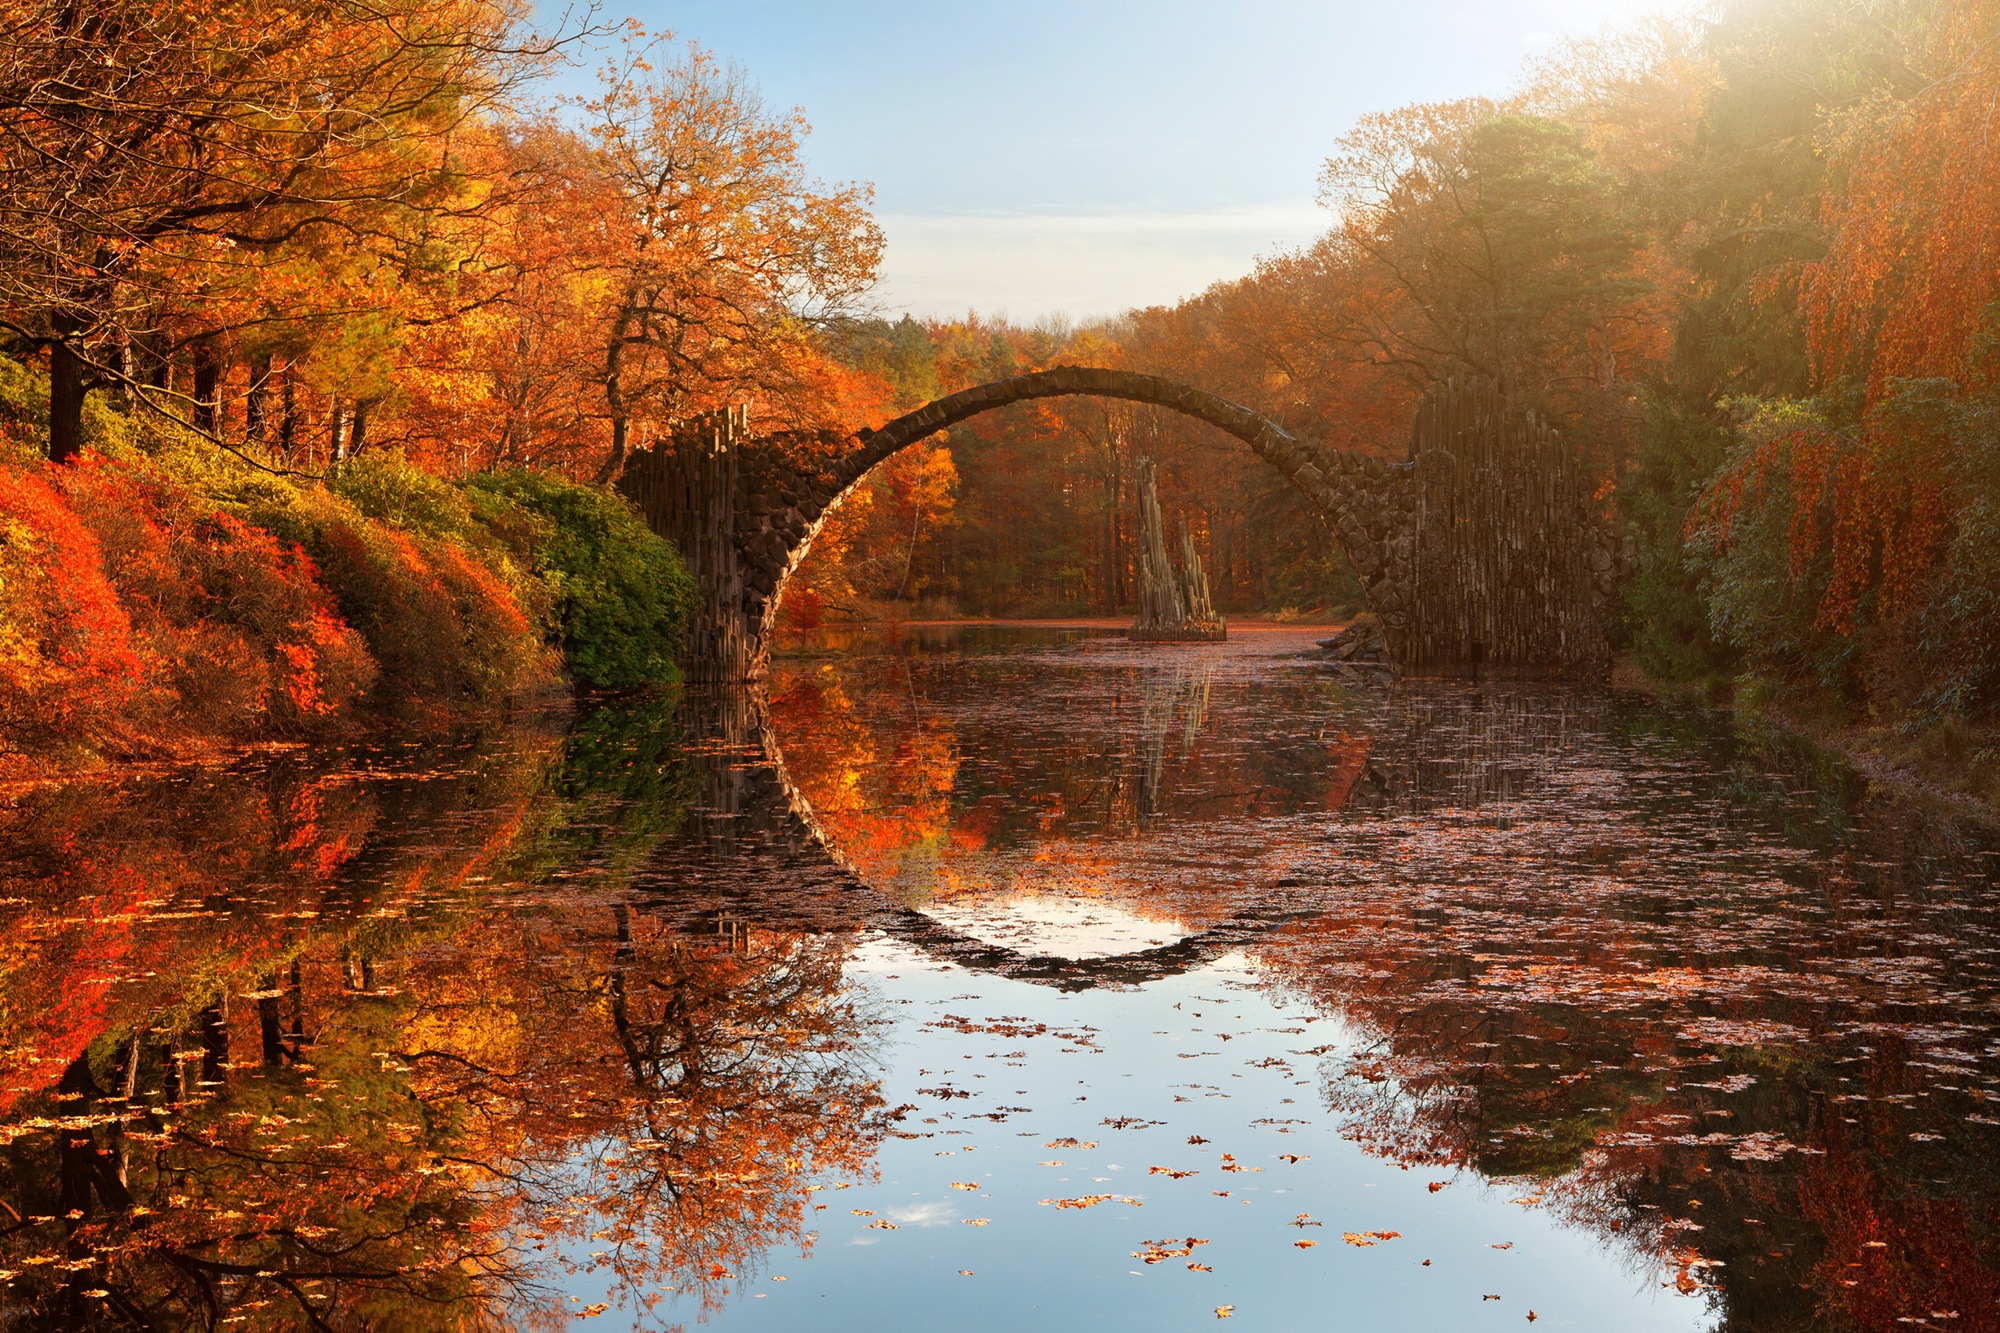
744,510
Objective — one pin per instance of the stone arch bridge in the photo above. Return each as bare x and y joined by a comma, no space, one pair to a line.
1483,550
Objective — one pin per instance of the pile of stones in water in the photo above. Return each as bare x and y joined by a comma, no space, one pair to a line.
1358,654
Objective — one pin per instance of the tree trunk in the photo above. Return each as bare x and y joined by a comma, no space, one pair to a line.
207,387
257,405
288,419
172,1084
215,1042
336,450
65,395
620,426
270,1032
298,1009
357,434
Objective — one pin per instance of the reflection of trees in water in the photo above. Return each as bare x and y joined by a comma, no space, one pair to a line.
398,1110
1169,702
874,763
1603,957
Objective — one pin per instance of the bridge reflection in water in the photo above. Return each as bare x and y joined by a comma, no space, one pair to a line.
757,855
1618,953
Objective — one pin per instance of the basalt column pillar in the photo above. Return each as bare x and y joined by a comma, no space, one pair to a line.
687,489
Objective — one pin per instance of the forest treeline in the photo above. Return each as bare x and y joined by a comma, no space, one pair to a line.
322,331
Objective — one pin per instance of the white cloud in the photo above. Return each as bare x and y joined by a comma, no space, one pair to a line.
1082,265
924,1215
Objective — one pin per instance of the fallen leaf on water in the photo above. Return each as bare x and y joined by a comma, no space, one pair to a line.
1157,1251
592,1310
965,1272
862,1212
1196,1138
1224,1311
1081,1201
1169,1171
1053,1161
1427,1263
1305,1244
1531,1316
1504,1245
1489,1298
1437,1185
1199,1268
977,1221
1294,1158
882,1224
963,1185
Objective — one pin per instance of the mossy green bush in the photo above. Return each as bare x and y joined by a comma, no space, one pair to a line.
388,487
619,595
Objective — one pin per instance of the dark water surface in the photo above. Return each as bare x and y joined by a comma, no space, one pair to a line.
995,979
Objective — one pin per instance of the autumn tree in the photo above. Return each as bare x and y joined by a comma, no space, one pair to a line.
1481,240
1846,537
150,150
721,254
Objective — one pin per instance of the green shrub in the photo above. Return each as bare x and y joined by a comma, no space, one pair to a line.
1663,606
620,596
386,486
1764,590
450,619
445,626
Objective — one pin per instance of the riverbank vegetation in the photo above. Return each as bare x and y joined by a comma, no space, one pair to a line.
159,597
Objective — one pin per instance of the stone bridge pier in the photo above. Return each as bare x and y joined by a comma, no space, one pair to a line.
1484,550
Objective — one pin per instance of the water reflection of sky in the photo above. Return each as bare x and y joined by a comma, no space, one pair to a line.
1035,1265
1085,808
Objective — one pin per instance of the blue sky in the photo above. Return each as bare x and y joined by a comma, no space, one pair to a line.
1035,158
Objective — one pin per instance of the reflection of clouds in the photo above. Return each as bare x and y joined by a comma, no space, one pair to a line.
923,1215
1056,924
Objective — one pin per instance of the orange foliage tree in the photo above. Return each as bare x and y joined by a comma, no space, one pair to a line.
719,255
1897,311
197,148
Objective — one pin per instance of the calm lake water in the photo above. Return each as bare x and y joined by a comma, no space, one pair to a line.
991,979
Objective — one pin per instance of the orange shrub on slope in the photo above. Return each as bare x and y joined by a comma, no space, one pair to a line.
67,656
239,635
